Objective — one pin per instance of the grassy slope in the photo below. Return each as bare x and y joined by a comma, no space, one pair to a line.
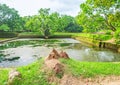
3,76
92,69
32,74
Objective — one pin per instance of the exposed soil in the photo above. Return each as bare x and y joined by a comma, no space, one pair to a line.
109,80
68,79
111,40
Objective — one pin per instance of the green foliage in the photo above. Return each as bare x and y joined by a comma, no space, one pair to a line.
108,32
8,34
117,36
94,36
91,69
48,23
72,27
10,17
4,27
102,37
97,15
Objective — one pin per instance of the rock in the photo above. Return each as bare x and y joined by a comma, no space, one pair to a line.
54,65
14,75
51,63
53,55
64,55
58,68
55,51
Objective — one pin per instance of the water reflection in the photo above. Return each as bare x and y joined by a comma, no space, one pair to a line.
23,52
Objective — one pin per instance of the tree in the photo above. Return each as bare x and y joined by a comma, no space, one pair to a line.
99,14
47,22
10,17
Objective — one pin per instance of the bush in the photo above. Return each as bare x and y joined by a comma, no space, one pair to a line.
102,37
109,32
30,35
8,34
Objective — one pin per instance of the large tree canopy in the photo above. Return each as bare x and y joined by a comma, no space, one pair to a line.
10,17
100,14
47,22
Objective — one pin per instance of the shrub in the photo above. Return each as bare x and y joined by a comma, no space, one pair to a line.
102,37
8,34
108,32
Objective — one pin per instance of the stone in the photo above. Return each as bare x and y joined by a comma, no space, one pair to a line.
53,55
58,68
14,74
64,55
51,63
55,51
55,66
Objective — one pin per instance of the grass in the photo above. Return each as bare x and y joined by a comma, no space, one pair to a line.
33,74
4,38
30,35
86,35
3,76
92,69
94,36
67,35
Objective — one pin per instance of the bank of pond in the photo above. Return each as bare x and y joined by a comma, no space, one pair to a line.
27,56
22,52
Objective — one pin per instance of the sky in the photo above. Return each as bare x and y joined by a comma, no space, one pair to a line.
31,7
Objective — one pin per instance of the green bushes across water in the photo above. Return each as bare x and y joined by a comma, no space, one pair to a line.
8,34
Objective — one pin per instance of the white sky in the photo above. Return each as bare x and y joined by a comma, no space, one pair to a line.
31,7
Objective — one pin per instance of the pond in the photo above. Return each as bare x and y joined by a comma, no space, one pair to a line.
22,52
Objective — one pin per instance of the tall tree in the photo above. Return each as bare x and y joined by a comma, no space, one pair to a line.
10,17
99,14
